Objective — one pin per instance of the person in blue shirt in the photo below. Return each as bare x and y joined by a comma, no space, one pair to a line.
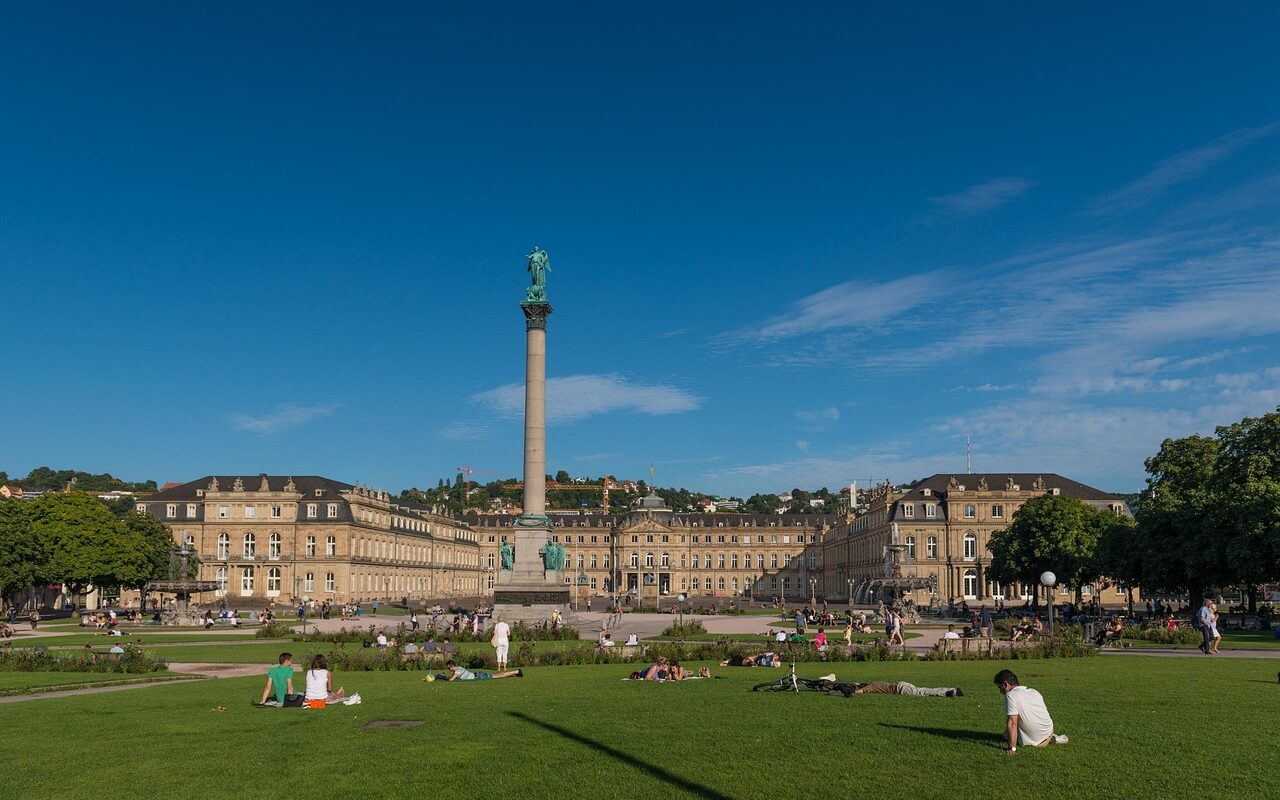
986,622
459,673
1205,617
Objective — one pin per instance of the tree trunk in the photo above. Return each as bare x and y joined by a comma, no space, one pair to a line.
1253,599
1129,593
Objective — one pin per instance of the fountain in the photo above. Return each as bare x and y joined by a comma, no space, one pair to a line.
895,580
180,583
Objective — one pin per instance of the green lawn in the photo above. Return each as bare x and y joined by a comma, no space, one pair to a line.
1231,640
146,637
580,731
254,652
835,638
24,682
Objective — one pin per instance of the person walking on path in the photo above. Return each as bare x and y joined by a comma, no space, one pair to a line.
1027,720
413,620
1205,619
501,641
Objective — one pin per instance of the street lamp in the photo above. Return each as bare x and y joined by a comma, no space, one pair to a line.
680,599
1049,580
813,591
850,582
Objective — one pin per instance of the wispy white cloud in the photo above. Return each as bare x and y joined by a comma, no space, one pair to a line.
818,418
803,446
982,197
853,304
282,418
467,430
1180,168
577,397
985,387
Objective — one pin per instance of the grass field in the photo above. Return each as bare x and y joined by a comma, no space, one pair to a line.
1231,640
835,638
1137,727
146,638
27,682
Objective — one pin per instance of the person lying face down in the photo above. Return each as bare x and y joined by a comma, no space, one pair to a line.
901,687
762,660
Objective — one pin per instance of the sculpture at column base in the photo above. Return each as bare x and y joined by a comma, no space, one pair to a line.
533,521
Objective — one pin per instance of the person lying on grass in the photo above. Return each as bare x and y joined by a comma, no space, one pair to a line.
280,683
762,660
657,671
457,673
901,687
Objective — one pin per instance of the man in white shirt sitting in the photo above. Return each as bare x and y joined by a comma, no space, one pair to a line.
1028,721
951,633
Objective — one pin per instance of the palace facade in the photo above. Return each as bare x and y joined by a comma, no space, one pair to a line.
273,538
654,554
944,522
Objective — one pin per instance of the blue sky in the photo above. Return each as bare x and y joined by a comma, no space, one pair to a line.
788,247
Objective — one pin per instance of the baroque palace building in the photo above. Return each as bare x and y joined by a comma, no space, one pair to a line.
944,523
652,552
271,538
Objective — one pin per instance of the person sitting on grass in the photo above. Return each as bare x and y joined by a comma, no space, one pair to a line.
900,687
320,685
280,684
1027,720
677,672
458,673
657,671
606,639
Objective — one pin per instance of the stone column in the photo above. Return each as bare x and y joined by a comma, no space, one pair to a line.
535,409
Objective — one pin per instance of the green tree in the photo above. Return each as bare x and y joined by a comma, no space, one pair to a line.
1055,533
1119,553
1182,540
154,542
563,477
21,557
85,545
763,504
1247,488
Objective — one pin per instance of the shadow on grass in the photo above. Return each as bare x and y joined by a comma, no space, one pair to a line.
959,734
652,769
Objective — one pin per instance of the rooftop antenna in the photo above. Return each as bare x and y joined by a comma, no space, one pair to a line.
968,456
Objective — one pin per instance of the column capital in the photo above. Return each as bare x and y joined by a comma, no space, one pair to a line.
535,315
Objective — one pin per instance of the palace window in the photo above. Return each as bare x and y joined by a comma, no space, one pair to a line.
696,584
220,577
666,559
273,546
250,545
273,580
191,510
970,511
911,548
224,546
931,546
648,559
250,512
720,561
309,582
332,511
970,547
311,547
224,512
635,559
970,584
997,512
246,580
908,511
311,510
760,561
733,561
930,510
276,512
773,561
331,546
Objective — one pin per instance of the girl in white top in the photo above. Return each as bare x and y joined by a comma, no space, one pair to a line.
320,682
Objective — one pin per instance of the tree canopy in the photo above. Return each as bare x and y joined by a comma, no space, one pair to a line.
1053,532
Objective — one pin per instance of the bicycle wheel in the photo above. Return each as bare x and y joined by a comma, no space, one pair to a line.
773,686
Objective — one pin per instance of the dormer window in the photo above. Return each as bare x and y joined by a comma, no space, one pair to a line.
928,492
909,511
319,492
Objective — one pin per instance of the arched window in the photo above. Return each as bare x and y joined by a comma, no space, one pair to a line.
970,547
581,564
273,580
735,585
311,547
911,548
931,547
188,539
220,576
224,546
760,561
720,564
746,561
250,545
273,546
997,590
734,561
706,561
773,561
635,559
970,584
721,583
246,580
666,559
331,546
648,559
309,582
